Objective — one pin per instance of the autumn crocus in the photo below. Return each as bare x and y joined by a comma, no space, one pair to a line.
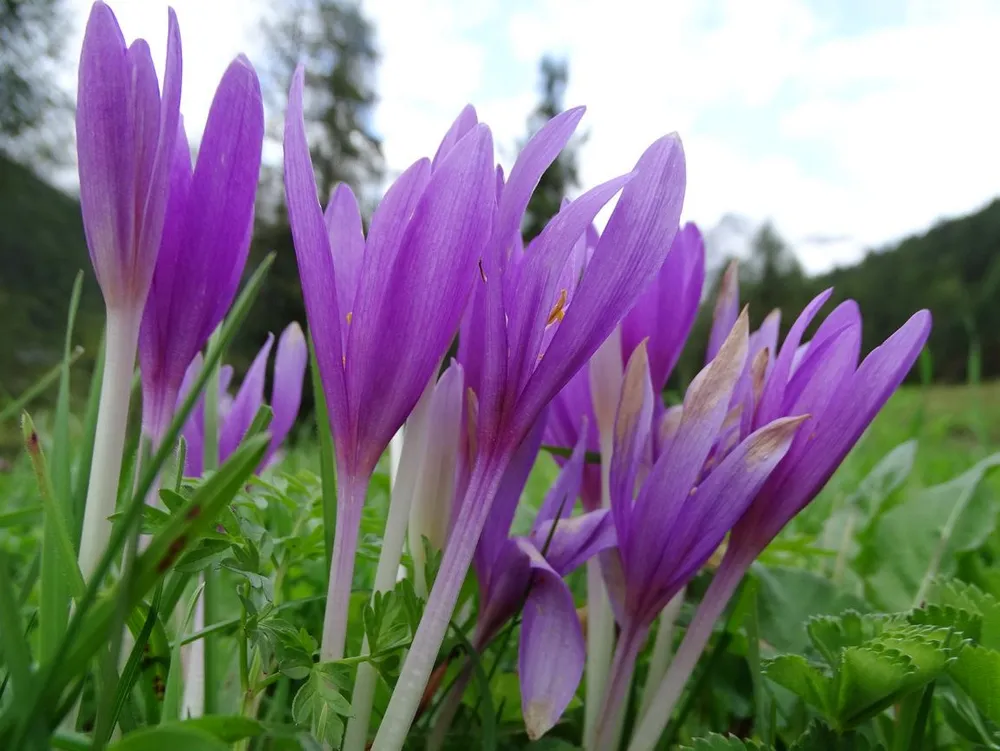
662,317
382,310
125,133
236,414
821,378
205,242
531,325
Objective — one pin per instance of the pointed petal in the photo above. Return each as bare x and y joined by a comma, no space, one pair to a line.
286,390
567,413
766,337
249,399
193,431
315,260
536,156
727,308
631,249
552,652
426,291
347,241
631,433
465,122
574,540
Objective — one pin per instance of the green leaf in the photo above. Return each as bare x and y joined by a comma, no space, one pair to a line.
788,597
319,705
977,671
22,517
230,729
13,645
328,473
40,386
131,671
716,742
487,714
819,737
804,679
172,694
85,453
887,476
170,738
917,540
831,635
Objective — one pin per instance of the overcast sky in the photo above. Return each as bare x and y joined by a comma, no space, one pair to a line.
848,119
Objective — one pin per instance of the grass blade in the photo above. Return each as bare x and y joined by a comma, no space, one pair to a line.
86,452
13,645
41,386
131,671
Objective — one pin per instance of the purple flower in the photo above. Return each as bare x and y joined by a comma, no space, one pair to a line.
125,135
822,379
236,414
382,310
205,241
663,315
685,499
531,325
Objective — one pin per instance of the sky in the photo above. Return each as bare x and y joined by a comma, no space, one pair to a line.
848,123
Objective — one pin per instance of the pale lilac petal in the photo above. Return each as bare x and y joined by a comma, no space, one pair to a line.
315,260
766,337
503,588
575,540
835,432
144,111
248,401
465,122
665,312
705,410
727,308
631,249
707,512
631,434
536,156
552,652
286,390
347,241
567,413
193,431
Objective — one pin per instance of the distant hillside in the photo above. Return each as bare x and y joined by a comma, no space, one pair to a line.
41,250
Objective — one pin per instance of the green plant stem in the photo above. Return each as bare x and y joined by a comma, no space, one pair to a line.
206,610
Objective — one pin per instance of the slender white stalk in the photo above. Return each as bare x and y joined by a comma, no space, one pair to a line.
662,648
385,579
122,335
395,455
654,721
606,375
193,702
427,642
350,501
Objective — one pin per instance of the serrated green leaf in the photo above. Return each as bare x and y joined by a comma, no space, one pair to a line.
830,635
819,737
802,678
977,671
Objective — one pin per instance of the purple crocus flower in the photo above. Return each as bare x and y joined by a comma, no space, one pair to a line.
205,241
685,498
236,414
821,378
529,328
383,309
125,133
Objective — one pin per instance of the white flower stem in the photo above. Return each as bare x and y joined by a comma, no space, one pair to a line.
350,501
205,700
600,619
385,581
121,338
654,721
427,642
662,647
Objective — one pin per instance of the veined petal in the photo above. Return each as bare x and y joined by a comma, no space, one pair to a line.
105,152
727,308
567,413
838,429
193,431
465,122
665,312
552,652
426,291
536,156
575,539
766,337
347,241
631,434
315,260
711,509
249,399
503,587
631,249
286,390
706,405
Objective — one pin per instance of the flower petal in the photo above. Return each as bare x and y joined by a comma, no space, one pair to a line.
574,540
552,652
347,242
286,390
727,308
248,401
315,260
466,121
561,498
